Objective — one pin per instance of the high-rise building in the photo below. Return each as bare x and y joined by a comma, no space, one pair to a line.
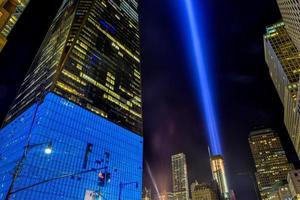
203,191
180,177
10,12
219,175
270,160
82,96
290,11
283,60
293,179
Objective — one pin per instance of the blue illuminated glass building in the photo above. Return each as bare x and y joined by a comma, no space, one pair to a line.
80,101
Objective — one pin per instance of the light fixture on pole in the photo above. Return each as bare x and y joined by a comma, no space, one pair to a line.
48,149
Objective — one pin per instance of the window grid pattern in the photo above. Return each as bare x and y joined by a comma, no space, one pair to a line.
283,60
180,177
10,12
69,128
285,51
270,160
97,65
290,11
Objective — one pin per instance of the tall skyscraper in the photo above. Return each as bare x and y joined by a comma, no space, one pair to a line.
82,96
10,12
203,191
270,160
180,177
290,11
219,175
283,60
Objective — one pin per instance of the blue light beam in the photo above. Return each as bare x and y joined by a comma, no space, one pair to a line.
197,61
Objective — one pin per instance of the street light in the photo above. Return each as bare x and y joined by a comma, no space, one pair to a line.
28,146
20,163
48,149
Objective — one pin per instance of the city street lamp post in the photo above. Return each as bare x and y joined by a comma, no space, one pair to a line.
27,148
47,150
20,163
123,185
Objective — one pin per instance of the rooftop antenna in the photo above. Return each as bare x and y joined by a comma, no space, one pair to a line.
209,152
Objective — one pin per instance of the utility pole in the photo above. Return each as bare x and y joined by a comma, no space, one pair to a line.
57,178
20,162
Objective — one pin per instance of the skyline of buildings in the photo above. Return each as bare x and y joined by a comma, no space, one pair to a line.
87,70
270,160
180,177
10,12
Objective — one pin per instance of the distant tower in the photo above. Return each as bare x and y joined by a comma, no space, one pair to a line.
270,160
219,175
180,177
10,12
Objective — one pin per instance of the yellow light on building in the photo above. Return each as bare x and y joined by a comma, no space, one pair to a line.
219,175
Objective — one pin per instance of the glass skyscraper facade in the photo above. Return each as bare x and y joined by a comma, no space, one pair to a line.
91,57
10,12
82,94
283,60
290,11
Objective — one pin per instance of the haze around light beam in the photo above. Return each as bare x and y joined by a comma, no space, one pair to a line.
191,24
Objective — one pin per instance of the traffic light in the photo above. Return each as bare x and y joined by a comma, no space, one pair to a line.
108,177
103,178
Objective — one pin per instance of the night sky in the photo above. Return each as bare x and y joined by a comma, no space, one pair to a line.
173,122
